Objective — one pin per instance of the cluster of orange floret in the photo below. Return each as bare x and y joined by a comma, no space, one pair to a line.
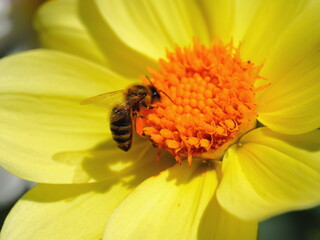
211,94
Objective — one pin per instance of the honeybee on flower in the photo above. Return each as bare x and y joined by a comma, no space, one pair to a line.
220,170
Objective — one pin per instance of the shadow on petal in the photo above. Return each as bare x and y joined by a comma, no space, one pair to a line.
106,162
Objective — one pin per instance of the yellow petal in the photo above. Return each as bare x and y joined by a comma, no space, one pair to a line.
229,19
269,22
271,173
41,115
151,27
303,117
77,211
244,13
290,104
297,45
60,28
219,15
165,206
174,205
217,223
121,58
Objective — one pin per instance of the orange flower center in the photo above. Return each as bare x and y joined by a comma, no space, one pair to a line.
211,101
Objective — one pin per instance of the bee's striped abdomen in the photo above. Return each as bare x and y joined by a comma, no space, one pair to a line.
121,126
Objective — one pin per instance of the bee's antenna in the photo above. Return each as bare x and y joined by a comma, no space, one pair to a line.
147,77
160,91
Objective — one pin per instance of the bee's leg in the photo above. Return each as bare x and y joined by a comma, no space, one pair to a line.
143,104
152,106
136,115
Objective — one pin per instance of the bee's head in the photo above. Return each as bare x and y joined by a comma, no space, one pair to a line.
155,94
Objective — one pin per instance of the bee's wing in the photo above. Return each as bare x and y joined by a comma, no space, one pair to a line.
105,100
126,106
121,110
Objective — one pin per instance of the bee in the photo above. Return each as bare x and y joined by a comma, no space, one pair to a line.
123,115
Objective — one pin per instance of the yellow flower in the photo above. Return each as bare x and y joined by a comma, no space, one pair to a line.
88,189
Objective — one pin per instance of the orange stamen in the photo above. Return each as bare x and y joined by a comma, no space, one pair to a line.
211,100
